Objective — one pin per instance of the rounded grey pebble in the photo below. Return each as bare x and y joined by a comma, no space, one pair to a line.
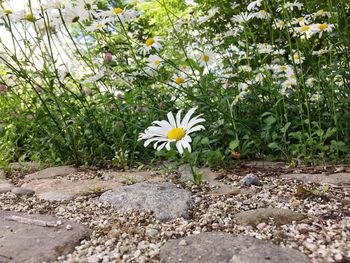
22,191
250,179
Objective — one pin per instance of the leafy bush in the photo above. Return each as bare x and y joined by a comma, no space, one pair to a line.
80,80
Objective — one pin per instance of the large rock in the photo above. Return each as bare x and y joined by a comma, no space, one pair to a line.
5,186
132,177
227,248
24,166
64,190
165,200
2,174
337,179
51,172
35,238
257,216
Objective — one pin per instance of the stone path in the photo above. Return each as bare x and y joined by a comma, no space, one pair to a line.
150,217
226,248
37,238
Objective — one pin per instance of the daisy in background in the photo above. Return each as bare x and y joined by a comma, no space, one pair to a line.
297,58
206,58
164,132
155,62
254,5
320,28
152,42
119,14
262,14
180,79
97,25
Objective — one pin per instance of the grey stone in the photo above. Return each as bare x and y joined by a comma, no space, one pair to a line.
131,177
64,190
32,243
185,172
5,186
219,247
24,166
22,191
2,174
165,200
337,178
265,164
51,172
250,179
256,216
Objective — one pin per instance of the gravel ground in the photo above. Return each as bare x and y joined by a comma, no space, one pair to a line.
129,236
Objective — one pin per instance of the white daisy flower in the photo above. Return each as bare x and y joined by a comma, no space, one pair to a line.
119,14
320,28
163,133
262,14
179,79
97,25
207,58
154,62
253,5
152,42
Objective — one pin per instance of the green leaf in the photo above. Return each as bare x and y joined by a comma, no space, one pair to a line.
233,144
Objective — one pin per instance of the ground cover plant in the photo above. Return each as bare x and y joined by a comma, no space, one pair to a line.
80,81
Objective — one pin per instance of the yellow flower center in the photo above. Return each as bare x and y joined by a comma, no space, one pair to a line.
118,10
299,19
323,26
304,28
150,41
7,11
205,58
30,17
157,62
99,25
262,11
281,23
176,134
283,68
179,80
292,76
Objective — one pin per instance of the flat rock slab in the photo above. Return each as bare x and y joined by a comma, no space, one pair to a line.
24,166
337,179
51,172
2,174
219,247
65,190
5,186
132,177
165,200
264,164
257,216
27,239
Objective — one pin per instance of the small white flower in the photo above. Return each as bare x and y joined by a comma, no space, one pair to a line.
297,58
207,58
152,42
179,79
97,25
164,132
253,5
320,28
262,14
154,62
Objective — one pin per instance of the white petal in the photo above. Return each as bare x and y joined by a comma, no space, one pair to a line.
178,118
160,147
179,147
171,119
187,138
167,146
196,128
187,117
194,121
186,145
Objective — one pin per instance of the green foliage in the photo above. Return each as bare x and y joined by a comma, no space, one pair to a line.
250,103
